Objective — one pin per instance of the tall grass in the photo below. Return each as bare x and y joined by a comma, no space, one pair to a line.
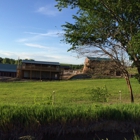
22,120
24,115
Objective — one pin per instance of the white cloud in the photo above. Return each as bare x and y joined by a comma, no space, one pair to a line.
33,36
51,33
36,46
23,55
43,56
22,40
48,10
51,49
6,54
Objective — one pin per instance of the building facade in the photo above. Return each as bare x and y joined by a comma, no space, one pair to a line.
39,70
8,70
100,67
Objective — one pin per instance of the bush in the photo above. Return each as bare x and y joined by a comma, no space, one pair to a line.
100,94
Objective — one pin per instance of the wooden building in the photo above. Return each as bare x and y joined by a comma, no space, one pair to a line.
100,67
39,70
8,70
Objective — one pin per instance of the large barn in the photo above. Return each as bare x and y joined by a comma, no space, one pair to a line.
8,70
100,66
41,70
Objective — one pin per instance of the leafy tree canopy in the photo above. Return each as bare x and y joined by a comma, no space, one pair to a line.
104,24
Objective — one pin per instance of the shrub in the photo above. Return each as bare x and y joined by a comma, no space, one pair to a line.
100,94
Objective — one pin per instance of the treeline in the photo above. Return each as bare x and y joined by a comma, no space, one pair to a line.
18,62
72,66
76,67
11,61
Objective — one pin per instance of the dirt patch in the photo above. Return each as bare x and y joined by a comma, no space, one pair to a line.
101,135
92,136
78,76
9,79
14,79
111,130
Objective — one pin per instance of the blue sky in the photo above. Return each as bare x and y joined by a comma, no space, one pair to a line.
32,29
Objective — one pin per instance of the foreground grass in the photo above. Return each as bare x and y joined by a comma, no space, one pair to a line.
51,119
44,115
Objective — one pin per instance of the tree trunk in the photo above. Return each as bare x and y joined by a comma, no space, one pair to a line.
129,87
138,68
137,64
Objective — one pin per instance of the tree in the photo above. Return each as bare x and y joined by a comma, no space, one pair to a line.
99,21
18,62
1,59
12,61
104,27
6,61
29,59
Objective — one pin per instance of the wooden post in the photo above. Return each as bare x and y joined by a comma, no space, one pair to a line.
50,75
30,74
40,75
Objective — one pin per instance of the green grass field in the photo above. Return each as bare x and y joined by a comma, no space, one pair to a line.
29,106
66,92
